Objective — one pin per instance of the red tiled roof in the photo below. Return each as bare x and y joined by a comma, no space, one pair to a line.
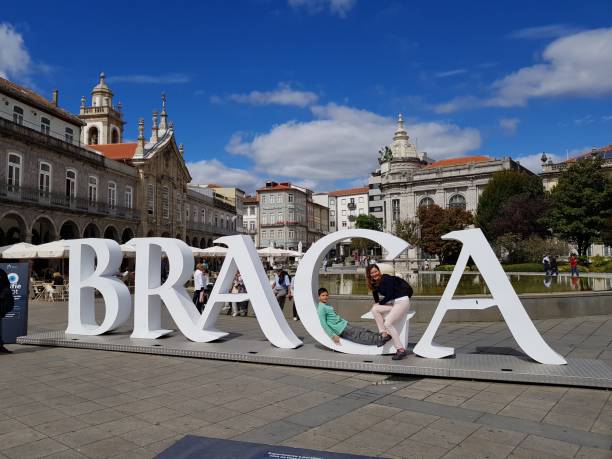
250,200
116,150
30,97
349,191
606,149
278,186
457,161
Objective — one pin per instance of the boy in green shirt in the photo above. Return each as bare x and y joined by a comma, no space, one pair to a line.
337,327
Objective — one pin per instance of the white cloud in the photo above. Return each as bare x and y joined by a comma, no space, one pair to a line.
214,171
575,65
450,73
342,143
534,162
236,145
338,7
283,95
15,61
546,31
457,104
169,78
588,119
509,125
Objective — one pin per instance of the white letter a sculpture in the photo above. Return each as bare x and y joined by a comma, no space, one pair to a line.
503,295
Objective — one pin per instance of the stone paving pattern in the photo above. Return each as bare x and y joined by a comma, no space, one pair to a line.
76,403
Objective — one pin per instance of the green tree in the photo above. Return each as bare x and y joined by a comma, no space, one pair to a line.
365,222
408,230
368,222
581,203
435,222
516,193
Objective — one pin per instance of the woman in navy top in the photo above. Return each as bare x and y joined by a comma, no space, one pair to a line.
392,300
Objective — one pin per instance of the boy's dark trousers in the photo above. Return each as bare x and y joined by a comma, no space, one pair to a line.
361,335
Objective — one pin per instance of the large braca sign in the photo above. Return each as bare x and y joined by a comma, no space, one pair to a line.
87,275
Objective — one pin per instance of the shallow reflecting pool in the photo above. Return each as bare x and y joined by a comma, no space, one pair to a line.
471,283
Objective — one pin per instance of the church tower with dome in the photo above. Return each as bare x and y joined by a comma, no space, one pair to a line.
104,120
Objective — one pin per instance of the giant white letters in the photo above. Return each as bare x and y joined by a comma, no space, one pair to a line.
242,256
503,295
85,277
307,282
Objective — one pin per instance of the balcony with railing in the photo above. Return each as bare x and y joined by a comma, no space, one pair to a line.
35,196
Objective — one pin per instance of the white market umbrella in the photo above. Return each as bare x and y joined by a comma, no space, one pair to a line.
18,250
214,251
295,254
55,249
274,252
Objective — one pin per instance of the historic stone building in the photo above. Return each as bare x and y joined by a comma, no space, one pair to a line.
53,185
250,218
406,179
288,216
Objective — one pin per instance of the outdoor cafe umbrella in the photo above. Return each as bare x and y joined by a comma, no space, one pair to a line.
274,252
214,251
16,251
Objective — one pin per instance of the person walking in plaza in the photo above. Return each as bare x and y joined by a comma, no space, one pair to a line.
394,305
336,327
198,287
280,286
546,265
239,308
573,261
554,269
7,303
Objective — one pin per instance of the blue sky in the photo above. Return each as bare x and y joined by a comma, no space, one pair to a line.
308,90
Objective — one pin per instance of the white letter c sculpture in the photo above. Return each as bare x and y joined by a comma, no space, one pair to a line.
307,284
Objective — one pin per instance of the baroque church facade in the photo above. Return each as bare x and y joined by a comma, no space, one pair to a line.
406,179
65,176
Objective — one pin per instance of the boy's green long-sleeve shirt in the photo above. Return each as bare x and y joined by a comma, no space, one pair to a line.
332,323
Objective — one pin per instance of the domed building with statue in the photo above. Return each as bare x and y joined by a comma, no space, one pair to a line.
407,179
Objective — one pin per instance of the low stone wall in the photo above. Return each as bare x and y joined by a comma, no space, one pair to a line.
538,306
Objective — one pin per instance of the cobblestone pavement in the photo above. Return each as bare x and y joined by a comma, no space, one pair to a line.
76,403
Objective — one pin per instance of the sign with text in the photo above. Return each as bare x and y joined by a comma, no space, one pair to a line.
93,263
15,323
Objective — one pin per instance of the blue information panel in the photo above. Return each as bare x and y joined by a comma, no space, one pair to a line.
15,323
193,447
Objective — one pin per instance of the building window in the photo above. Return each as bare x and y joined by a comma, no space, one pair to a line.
291,216
92,189
279,198
195,214
344,213
165,202
279,219
332,203
343,202
332,223
252,225
279,233
187,213
344,224
264,218
332,213
179,206
45,125
69,135
263,234
44,178
291,234
14,171
290,197
361,199
263,198
128,197
457,202
112,195
203,216
18,115
395,208
361,211
426,202
151,199
71,177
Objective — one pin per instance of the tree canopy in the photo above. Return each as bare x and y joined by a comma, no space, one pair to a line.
582,203
368,222
435,222
512,202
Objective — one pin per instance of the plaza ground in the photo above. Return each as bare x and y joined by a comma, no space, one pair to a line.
77,403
